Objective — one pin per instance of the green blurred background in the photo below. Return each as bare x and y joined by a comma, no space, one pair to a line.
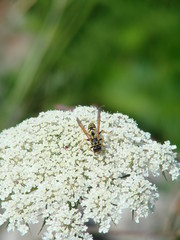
123,55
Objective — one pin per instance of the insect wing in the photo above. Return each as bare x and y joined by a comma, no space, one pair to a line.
84,130
98,122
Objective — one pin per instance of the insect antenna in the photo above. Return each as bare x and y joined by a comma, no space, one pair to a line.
98,122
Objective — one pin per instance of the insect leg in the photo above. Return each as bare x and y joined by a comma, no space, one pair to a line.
101,139
91,148
84,140
102,131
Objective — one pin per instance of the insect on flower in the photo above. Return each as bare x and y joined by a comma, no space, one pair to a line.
93,134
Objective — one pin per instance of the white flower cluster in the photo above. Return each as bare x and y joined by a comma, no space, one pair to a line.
46,170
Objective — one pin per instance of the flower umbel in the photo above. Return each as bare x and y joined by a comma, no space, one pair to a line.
46,171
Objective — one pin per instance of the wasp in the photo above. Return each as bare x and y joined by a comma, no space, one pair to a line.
93,134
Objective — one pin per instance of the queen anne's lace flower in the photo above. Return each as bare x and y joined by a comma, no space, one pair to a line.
46,170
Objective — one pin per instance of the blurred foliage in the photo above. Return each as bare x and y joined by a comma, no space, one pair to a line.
124,55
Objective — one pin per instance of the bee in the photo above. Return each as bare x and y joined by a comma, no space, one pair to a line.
93,134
